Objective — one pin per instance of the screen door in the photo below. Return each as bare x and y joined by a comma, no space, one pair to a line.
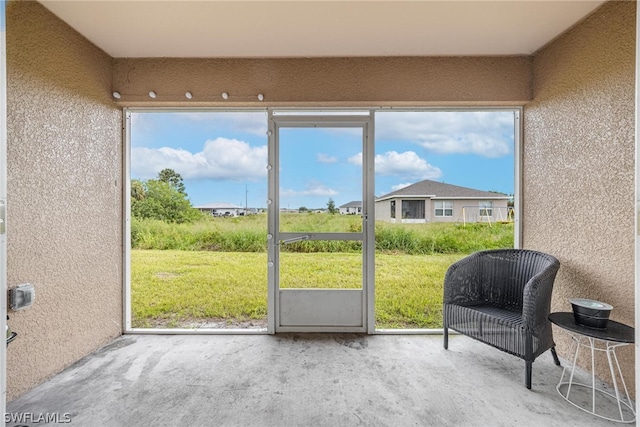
320,224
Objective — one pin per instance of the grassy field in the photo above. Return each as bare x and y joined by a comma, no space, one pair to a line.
215,271
248,234
171,288
181,288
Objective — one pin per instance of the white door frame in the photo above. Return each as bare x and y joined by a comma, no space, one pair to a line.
345,303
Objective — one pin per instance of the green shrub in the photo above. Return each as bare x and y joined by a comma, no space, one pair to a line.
155,199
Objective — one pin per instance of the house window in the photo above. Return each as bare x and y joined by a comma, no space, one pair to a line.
413,209
393,209
443,208
486,209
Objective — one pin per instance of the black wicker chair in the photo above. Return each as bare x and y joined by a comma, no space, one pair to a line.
502,298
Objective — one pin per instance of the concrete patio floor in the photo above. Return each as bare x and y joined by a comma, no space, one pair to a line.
301,380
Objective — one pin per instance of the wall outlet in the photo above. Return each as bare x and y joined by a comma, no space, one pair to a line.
22,296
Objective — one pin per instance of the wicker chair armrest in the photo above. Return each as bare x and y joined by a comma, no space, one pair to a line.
462,281
537,296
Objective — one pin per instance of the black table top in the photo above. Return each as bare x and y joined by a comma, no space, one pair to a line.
615,331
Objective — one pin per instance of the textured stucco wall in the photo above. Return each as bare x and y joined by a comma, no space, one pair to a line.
64,195
578,164
326,81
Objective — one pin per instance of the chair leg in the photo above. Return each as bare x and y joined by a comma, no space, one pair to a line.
528,357
555,356
446,338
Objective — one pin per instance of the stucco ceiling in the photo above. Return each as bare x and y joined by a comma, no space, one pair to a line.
303,28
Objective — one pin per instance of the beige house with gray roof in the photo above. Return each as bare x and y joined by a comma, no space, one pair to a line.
431,201
351,208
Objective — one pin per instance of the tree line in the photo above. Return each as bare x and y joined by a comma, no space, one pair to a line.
165,198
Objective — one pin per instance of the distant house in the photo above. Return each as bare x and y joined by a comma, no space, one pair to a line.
351,208
431,201
221,209
289,210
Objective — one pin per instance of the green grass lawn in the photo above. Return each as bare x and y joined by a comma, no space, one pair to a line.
175,288
170,288
215,269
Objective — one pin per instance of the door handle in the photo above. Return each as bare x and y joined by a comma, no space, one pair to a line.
295,239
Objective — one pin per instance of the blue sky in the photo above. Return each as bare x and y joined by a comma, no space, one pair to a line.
223,156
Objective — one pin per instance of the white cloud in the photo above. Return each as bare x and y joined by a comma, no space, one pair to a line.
407,165
356,159
485,133
220,159
400,186
325,158
312,189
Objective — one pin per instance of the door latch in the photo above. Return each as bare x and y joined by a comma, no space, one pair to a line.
295,239
3,217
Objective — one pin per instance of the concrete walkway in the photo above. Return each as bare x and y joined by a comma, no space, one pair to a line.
301,380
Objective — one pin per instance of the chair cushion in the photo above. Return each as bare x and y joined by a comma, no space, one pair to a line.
470,319
492,325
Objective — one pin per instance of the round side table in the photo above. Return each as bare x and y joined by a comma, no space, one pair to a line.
605,340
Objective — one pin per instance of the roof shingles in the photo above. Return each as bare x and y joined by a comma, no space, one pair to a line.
440,190
353,204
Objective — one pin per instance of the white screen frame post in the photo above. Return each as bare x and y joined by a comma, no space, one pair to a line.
126,304
517,179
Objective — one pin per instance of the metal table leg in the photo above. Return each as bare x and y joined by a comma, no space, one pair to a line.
623,402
